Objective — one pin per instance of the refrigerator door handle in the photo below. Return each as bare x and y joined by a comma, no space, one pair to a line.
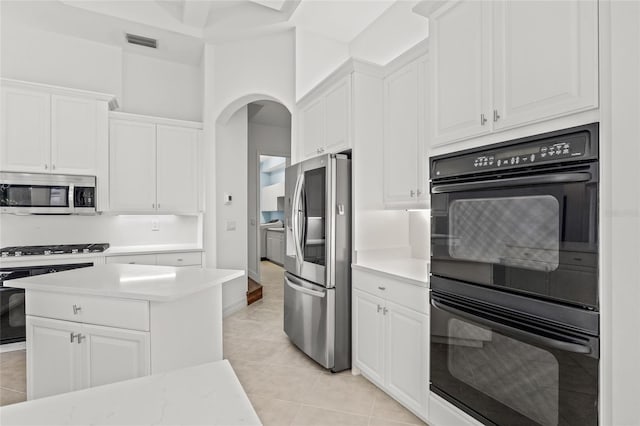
304,290
295,217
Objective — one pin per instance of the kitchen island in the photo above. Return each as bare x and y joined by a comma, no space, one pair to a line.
93,326
207,394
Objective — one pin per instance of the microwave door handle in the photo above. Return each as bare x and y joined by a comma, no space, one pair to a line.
509,182
71,198
524,335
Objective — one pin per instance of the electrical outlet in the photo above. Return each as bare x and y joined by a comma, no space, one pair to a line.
155,225
231,225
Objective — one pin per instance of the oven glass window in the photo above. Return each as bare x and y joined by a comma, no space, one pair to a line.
518,375
521,232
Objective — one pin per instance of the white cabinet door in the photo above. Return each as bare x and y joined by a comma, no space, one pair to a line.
177,168
132,148
53,359
74,135
542,71
338,116
111,355
401,135
423,132
312,128
407,356
25,123
460,70
368,335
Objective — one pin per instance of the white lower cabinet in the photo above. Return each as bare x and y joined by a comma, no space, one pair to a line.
391,340
161,259
63,356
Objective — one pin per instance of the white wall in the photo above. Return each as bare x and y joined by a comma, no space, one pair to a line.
420,234
115,230
316,57
235,74
162,88
395,31
263,140
45,57
142,84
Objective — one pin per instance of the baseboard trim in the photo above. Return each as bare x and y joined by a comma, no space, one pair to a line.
234,307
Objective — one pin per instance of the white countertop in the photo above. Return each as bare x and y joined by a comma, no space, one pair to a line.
207,394
150,249
414,271
144,282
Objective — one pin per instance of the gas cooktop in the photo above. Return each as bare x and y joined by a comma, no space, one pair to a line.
51,250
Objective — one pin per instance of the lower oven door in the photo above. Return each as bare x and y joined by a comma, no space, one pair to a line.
510,371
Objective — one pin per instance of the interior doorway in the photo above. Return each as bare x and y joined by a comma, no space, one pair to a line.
269,152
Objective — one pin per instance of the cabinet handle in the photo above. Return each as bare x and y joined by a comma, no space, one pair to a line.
412,193
53,167
158,205
379,308
496,116
132,263
381,288
384,312
72,336
419,192
483,119
80,337
76,309
179,260
46,166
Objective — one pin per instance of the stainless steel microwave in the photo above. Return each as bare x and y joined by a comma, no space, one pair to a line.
35,193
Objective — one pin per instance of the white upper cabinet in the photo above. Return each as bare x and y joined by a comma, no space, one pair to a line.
26,131
460,70
545,60
312,128
177,174
154,165
504,64
48,129
405,135
132,147
74,139
337,116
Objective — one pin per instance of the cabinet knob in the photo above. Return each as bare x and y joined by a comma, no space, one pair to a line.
76,309
384,312
381,288
81,337
153,205
379,308
483,119
46,166
72,336
496,116
419,192
158,205
179,260
412,193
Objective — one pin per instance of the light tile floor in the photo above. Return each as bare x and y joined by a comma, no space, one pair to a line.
288,388
284,385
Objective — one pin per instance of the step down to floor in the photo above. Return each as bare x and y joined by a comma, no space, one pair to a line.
254,293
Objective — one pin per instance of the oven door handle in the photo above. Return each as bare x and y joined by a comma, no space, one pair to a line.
527,336
518,181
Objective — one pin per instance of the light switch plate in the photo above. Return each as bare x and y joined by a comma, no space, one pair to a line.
155,225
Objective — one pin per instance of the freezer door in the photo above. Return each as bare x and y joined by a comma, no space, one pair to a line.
309,318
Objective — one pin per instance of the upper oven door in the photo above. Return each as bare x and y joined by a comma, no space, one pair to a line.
534,233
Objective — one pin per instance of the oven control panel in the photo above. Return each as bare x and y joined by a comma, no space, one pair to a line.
556,147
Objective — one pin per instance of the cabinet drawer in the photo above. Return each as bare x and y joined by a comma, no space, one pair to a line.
408,295
180,259
139,259
108,311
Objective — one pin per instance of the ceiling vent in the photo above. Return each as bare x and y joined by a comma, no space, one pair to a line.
142,41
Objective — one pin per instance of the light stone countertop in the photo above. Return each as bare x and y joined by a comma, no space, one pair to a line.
414,271
207,394
143,282
150,249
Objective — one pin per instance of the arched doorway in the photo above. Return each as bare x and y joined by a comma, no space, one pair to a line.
249,127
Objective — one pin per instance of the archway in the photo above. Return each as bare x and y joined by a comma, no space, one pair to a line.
232,193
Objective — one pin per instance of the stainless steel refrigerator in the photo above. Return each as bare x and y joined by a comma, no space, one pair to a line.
317,283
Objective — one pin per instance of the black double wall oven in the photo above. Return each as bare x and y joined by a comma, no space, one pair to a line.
514,285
